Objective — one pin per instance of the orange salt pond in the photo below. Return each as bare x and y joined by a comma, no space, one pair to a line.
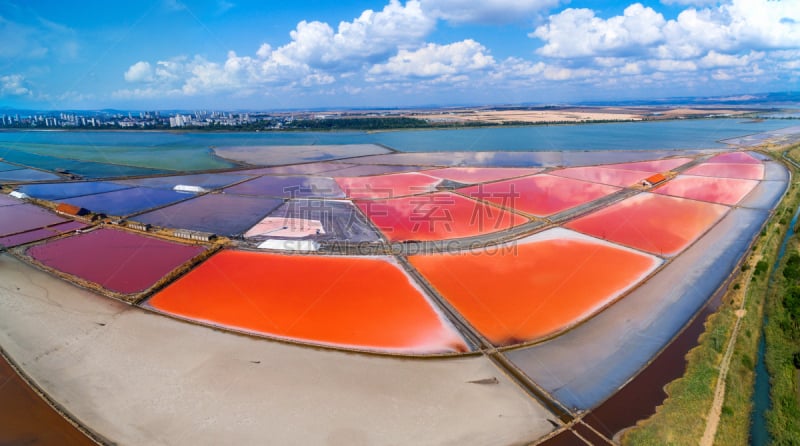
437,216
387,186
599,174
470,175
540,195
731,170
656,223
716,190
357,302
536,287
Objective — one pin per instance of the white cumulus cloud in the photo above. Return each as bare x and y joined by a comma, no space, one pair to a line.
394,49
434,60
487,11
734,26
372,34
13,85
747,40
139,72
690,2
524,72
317,54
579,33
716,60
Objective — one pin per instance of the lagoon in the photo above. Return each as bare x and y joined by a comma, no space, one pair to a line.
188,151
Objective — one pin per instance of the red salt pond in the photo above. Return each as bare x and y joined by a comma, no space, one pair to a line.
656,223
734,157
540,195
599,174
732,170
716,190
26,419
387,186
359,302
116,260
652,166
437,216
536,287
470,175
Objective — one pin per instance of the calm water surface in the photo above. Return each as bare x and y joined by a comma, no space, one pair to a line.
678,134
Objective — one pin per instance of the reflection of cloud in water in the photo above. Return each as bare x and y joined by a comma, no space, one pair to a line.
718,190
289,186
283,154
484,157
540,195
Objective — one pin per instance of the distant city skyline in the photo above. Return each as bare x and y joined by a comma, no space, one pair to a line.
241,54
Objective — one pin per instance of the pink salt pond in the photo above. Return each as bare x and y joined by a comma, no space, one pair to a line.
658,224
540,195
387,186
436,216
734,157
716,190
471,175
730,170
600,174
654,166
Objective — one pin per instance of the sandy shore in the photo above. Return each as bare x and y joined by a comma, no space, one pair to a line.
138,378
571,114
530,116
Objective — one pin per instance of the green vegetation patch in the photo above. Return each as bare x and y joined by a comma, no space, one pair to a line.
782,357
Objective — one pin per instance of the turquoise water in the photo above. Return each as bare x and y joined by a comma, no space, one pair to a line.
759,435
678,134
191,151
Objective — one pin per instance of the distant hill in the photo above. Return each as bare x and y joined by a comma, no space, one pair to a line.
757,99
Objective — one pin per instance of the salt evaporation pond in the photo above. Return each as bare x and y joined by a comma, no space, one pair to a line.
613,177
540,195
578,308
387,186
659,224
361,303
437,216
120,261
536,287
59,191
288,187
222,214
128,201
716,190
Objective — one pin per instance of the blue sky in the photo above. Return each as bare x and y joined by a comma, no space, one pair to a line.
269,54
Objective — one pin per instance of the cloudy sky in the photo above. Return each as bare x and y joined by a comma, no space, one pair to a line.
271,54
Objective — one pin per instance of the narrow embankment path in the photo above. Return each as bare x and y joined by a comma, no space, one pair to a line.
712,420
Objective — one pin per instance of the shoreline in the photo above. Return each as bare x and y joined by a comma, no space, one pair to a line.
455,126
